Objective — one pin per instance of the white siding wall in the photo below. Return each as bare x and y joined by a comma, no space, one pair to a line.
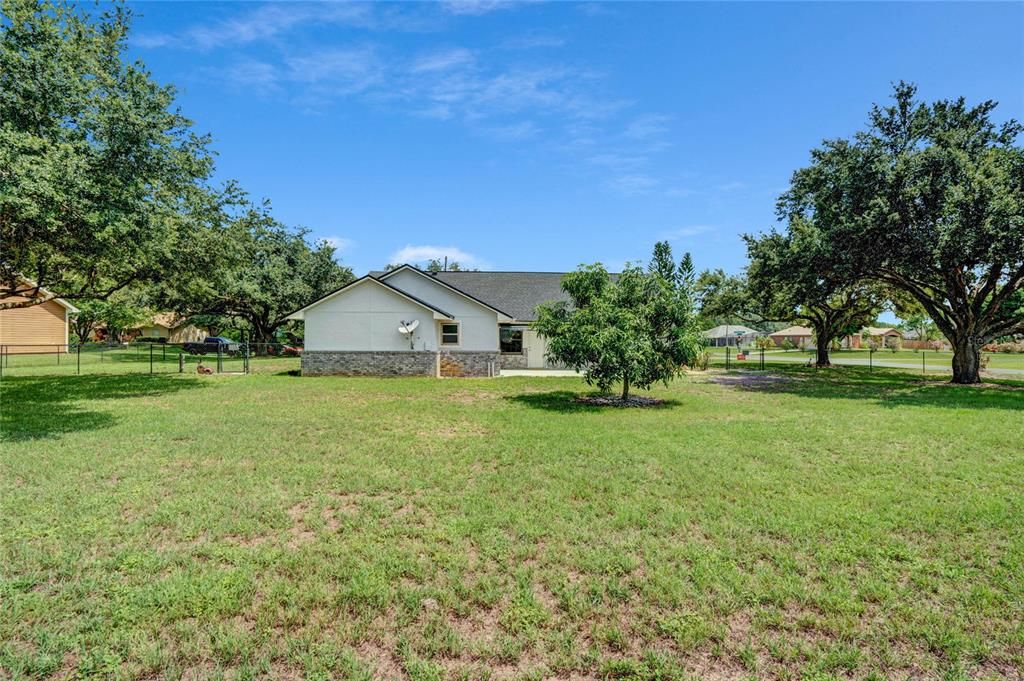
479,325
366,317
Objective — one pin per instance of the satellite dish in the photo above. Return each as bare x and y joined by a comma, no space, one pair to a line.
406,328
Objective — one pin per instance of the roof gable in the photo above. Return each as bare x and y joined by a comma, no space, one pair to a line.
438,281
299,314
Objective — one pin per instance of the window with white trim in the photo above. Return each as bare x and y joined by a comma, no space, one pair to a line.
450,334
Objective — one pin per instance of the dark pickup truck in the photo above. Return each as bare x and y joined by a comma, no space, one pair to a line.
212,345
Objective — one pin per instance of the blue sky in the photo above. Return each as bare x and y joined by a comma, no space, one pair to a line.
540,136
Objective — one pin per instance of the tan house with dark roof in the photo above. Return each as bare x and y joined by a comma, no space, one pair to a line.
168,327
36,328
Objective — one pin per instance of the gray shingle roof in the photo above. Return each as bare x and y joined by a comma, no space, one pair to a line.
516,293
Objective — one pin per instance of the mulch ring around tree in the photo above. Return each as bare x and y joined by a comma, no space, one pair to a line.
612,401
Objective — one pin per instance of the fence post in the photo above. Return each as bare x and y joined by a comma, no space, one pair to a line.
181,363
871,355
2,348
924,372
58,355
726,354
762,359
220,361
247,357
163,358
79,368
150,358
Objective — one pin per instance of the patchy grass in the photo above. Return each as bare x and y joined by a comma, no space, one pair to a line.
831,524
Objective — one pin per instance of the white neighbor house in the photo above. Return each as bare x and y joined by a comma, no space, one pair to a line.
466,324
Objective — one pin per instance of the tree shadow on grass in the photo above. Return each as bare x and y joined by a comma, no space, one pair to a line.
886,388
567,402
38,407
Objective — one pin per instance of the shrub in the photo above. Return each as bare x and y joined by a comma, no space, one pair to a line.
1008,347
701,360
764,343
788,345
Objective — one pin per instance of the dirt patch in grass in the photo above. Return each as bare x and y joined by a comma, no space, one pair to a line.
472,396
609,401
453,431
750,380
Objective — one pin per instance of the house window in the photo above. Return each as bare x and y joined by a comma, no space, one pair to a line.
450,334
511,340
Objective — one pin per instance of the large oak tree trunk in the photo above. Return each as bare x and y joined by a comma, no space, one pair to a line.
823,336
966,361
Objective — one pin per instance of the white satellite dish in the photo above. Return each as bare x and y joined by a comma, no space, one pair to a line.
406,329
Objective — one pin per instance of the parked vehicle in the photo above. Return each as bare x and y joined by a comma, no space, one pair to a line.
211,345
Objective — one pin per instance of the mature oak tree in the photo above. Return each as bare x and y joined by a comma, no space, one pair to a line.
271,271
103,183
635,328
791,277
930,200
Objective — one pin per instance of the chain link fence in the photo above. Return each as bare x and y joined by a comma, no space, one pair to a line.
137,358
924,362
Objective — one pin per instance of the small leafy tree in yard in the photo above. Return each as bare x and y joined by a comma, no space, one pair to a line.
635,329
764,343
893,343
788,345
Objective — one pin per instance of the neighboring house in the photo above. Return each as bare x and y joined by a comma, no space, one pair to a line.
731,334
881,333
36,328
799,336
466,324
169,327
803,337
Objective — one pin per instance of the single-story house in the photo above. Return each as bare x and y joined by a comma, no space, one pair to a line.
407,322
799,336
881,333
803,337
37,328
169,327
731,334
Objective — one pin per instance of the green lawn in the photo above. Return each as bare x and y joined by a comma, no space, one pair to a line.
831,524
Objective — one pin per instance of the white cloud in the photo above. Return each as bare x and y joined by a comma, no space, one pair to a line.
263,23
507,95
646,127
253,74
442,60
339,243
632,185
420,254
351,69
532,41
731,186
686,232
514,132
476,7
